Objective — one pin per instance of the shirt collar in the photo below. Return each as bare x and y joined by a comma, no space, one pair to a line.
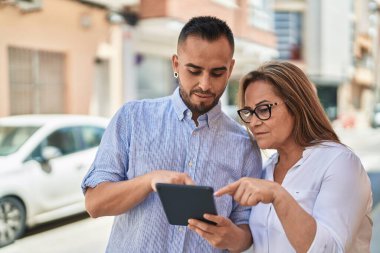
181,110
179,106
273,160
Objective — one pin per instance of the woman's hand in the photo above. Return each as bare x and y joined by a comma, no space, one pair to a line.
224,235
250,191
294,219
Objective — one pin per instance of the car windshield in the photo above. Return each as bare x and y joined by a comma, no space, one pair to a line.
12,137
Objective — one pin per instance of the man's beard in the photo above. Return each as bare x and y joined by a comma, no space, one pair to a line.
201,108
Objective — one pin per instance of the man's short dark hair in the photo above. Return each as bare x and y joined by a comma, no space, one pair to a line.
208,28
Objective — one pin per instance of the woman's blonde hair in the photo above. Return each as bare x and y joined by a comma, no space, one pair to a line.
311,125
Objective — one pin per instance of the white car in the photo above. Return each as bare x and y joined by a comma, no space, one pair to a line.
376,116
43,159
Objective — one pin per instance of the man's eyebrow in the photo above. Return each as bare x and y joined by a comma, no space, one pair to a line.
198,67
193,66
219,69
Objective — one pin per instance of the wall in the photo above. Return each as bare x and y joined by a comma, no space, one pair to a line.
236,17
56,27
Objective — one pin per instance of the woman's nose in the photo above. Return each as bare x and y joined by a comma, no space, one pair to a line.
255,121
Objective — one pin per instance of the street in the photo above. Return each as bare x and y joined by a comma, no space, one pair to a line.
82,234
74,234
366,144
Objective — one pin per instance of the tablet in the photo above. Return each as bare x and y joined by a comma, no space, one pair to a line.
183,202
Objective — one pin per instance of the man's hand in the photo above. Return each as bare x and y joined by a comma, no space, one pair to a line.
224,235
168,177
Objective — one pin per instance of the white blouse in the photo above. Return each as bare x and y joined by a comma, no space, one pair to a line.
329,182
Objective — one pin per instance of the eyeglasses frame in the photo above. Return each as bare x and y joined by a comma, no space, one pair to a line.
253,112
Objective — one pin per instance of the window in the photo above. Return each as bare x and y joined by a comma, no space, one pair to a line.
12,138
227,3
91,136
261,14
65,140
34,76
29,5
288,26
155,77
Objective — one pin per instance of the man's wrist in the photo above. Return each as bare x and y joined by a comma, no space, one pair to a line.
243,236
147,181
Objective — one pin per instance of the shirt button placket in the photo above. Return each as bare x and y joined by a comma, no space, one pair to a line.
178,242
192,153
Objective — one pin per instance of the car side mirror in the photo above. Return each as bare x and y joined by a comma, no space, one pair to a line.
50,152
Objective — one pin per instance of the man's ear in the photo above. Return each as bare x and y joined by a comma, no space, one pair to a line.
175,63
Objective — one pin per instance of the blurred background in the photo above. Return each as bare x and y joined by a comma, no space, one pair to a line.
89,57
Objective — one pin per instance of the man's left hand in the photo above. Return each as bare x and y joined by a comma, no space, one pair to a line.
224,235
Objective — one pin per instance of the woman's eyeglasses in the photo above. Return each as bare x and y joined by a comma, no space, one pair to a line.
262,112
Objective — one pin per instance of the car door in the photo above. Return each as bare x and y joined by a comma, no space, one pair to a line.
54,184
90,137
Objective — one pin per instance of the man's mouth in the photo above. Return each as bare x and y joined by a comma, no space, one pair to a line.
202,95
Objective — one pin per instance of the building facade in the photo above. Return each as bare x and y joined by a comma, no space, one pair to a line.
47,54
310,37
149,45
335,43
90,57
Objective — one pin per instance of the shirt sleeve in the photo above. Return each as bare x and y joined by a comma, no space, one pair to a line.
341,205
111,161
252,168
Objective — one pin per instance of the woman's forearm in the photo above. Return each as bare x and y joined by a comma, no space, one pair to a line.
295,220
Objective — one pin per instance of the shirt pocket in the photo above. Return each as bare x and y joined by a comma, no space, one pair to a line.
305,198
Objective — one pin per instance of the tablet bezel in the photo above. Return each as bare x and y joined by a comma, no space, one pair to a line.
184,202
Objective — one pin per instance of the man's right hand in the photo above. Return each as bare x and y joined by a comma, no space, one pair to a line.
168,177
109,198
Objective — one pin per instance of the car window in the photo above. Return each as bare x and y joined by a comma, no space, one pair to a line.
65,139
12,138
91,136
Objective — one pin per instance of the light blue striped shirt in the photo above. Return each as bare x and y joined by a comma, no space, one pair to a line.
159,133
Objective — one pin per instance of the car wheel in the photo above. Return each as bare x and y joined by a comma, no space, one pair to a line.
12,220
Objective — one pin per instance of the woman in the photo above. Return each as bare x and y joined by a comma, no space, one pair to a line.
315,195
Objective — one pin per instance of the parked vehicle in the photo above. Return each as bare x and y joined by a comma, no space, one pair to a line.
43,159
376,116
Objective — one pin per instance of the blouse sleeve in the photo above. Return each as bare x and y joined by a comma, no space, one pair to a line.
342,204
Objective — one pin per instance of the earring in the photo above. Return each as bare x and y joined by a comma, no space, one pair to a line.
175,75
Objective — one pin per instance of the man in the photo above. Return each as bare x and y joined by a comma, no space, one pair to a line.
181,139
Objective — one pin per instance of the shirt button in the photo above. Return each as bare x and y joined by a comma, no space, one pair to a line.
180,229
190,164
194,133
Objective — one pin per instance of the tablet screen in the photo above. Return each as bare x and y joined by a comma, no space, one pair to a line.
183,202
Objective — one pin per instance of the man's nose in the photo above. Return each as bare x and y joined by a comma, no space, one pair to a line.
205,82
